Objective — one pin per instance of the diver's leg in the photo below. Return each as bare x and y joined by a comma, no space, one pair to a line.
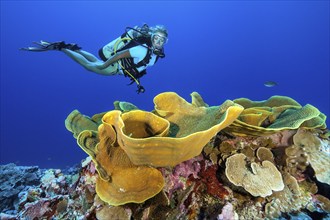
89,65
83,61
77,57
87,55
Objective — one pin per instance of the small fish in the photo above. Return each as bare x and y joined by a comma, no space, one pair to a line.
270,84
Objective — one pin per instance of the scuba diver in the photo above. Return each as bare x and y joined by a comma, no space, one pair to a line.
128,55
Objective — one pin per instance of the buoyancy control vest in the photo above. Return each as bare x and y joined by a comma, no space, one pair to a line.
124,42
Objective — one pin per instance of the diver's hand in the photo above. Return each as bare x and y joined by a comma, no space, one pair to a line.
140,89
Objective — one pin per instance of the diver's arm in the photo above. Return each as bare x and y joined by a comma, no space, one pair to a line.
115,58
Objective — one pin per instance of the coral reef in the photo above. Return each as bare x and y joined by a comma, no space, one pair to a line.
184,161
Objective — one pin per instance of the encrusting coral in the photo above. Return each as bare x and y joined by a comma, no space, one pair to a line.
317,153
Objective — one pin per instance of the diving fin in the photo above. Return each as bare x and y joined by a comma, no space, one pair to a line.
45,46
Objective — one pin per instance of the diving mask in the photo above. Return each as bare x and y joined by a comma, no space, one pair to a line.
159,39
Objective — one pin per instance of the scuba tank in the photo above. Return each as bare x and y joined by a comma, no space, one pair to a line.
130,34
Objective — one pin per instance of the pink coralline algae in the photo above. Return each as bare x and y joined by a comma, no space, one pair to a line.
176,179
227,213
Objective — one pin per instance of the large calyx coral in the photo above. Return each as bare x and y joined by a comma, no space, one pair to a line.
127,145
115,185
190,128
116,171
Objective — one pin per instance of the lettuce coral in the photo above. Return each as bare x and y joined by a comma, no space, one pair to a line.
276,114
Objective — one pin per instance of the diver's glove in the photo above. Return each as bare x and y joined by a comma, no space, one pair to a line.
140,89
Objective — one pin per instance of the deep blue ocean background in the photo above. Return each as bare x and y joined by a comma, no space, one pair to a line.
221,49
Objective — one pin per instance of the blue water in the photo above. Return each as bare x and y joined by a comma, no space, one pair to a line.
223,50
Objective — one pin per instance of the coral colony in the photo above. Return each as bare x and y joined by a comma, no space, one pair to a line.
241,160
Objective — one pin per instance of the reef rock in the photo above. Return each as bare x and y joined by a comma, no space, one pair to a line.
13,180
